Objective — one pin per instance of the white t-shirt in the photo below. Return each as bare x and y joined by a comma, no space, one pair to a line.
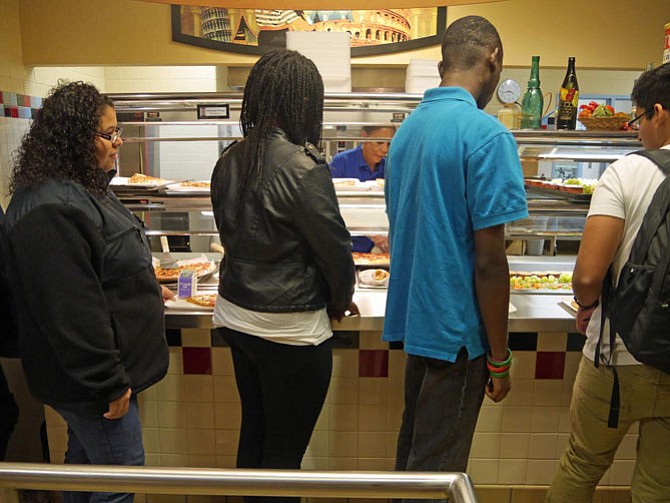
625,191
302,328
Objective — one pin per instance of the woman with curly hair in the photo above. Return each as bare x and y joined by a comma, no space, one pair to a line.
89,308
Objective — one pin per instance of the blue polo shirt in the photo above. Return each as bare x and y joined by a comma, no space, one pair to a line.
351,164
452,170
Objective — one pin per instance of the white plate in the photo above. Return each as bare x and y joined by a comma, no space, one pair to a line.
184,305
180,188
123,181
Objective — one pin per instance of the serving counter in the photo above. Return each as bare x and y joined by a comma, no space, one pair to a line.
531,313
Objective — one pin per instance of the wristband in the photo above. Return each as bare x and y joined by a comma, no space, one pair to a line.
500,375
584,306
500,363
493,370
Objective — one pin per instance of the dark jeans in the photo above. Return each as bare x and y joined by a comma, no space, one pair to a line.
100,441
282,389
442,402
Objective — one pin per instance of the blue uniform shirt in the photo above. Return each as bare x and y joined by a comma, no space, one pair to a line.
452,170
351,164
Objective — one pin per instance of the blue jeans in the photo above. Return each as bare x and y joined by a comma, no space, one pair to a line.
100,441
442,403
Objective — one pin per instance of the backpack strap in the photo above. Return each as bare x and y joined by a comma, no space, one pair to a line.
660,156
615,399
655,215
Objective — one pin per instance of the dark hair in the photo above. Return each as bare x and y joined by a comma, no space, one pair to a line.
653,87
284,90
467,40
372,129
60,143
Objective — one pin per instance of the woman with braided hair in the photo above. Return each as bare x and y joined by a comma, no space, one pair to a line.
287,268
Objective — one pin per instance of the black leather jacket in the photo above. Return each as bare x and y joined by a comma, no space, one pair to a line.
287,249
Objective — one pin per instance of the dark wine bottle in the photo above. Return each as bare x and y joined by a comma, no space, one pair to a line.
568,104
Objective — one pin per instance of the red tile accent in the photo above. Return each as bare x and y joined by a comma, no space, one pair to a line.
549,364
15,112
197,360
26,101
373,363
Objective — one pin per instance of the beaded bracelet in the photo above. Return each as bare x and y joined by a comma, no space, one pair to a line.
500,363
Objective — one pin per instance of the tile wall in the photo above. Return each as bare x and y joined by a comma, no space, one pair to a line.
191,418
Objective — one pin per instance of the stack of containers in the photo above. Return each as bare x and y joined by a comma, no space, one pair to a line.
421,74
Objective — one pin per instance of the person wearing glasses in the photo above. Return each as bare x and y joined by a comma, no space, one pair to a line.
620,201
89,308
366,162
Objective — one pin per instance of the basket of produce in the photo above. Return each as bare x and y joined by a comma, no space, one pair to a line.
597,117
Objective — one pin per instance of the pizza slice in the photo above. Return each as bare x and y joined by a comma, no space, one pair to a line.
203,300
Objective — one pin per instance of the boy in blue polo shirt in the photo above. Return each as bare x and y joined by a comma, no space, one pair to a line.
453,180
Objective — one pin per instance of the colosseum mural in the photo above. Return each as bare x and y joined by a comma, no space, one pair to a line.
248,30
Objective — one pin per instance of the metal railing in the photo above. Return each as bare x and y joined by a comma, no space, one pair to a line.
457,487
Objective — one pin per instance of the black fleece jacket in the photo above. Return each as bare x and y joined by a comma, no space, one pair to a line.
90,311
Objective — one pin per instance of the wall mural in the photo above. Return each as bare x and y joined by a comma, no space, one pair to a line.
253,31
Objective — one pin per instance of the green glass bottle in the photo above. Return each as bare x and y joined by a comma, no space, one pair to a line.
533,101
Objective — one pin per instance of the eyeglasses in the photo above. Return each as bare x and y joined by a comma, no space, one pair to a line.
634,121
111,137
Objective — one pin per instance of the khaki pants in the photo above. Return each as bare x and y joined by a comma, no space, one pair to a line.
645,397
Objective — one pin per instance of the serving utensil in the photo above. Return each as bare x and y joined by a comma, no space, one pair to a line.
167,261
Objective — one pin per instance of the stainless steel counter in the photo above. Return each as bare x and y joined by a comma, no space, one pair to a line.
534,313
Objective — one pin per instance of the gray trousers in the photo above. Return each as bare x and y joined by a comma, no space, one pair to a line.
442,402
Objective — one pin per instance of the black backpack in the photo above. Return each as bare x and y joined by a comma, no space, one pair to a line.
639,306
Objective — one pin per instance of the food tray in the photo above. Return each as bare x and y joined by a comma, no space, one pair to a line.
120,184
559,194
183,264
180,188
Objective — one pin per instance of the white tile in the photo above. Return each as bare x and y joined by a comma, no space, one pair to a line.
628,448
199,415
521,394
523,366
622,472
548,393
512,471
225,390
490,419
542,446
514,445
483,471
552,341
540,472
545,419
485,445
516,419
